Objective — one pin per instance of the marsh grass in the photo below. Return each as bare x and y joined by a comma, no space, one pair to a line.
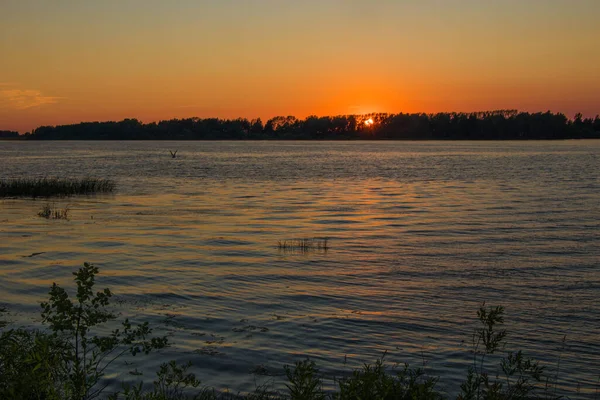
51,212
303,245
54,187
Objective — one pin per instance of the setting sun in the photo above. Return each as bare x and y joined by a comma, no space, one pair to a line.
369,122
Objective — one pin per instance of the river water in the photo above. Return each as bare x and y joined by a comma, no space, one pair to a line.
420,234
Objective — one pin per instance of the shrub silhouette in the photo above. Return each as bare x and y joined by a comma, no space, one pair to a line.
69,362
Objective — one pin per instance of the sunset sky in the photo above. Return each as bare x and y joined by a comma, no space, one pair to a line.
67,61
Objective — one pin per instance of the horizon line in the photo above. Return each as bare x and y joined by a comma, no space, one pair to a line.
505,111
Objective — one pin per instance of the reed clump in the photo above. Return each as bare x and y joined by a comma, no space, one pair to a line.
54,187
303,245
52,212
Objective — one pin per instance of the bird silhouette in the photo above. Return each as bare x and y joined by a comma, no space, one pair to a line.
173,154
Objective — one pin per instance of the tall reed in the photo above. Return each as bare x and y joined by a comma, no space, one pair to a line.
51,212
54,187
303,245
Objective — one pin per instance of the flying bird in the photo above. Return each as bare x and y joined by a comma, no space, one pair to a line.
173,154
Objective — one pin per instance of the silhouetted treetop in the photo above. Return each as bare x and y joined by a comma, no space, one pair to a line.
487,125
8,134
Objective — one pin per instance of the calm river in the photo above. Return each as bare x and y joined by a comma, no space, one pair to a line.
420,235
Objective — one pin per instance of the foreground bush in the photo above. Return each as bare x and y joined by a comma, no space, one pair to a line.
68,361
54,187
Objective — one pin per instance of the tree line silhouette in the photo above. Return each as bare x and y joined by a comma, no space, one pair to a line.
489,125
9,135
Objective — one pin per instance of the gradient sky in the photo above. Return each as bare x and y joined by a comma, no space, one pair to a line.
66,61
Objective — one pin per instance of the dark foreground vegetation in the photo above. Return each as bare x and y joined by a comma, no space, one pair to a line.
490,125
68,361
54,187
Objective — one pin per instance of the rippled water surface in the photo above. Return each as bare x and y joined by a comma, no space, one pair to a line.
420,235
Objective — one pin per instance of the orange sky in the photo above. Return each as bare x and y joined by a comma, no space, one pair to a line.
69,61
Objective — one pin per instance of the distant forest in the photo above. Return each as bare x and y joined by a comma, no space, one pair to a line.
9,134
490,125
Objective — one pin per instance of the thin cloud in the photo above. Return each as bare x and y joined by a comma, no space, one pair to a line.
18,99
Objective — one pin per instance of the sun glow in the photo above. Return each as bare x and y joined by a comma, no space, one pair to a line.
369,122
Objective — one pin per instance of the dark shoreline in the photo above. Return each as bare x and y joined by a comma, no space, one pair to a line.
299,140
489,125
